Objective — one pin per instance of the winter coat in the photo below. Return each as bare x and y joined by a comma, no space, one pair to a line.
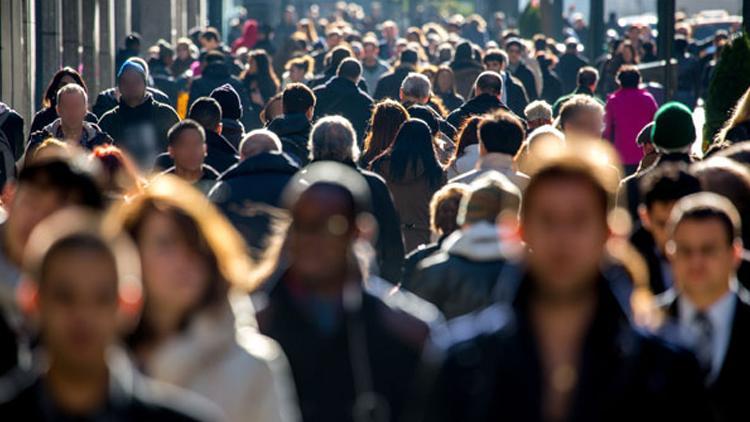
140,130
130,396
389,85
294,132
223,357
526,76
108,100
461,277
220,153
233,131
465,163
91,137
412,197
557,106
213,76
12,127
625,373
249,194
567,69
476,106
501,163
466,73
341,96
371,75
48,115
390,244
451,100
514,94
628,110
205,183
373,344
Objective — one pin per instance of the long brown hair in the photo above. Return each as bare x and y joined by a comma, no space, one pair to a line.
204,229
387,118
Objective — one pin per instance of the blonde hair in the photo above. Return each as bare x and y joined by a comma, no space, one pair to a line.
740,113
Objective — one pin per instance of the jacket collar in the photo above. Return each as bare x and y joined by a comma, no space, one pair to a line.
265,162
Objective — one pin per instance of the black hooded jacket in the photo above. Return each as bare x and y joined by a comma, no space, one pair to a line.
341,96
294,131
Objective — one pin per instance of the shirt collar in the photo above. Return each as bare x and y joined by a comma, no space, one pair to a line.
719,313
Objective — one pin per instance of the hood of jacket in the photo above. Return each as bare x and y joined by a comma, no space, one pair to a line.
290,124
90,129
268,162
479,242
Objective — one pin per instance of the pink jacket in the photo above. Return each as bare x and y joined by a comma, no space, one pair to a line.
628,110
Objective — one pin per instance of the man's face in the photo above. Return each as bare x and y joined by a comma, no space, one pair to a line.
514,54
565,229
494,66
296,74
132,87
703,259
655,220
30,205
371,51
320,236
189,150
78,304
72,109
332,40
183,52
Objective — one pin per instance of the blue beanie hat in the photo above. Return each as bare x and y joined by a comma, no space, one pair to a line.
132,65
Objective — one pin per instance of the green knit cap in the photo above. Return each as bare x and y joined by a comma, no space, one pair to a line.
673,128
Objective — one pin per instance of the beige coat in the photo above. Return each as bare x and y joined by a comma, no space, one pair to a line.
226,360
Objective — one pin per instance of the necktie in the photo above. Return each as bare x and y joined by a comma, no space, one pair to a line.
704,341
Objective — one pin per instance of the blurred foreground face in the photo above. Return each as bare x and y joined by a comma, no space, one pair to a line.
189,150
30,205
586,123
72,109
565,230
703,260
78,304
175,276
132,87
320,236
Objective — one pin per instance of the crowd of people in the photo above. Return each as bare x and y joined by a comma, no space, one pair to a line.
459,224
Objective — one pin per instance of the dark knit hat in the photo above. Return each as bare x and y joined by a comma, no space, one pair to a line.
673,127
134,66
229,100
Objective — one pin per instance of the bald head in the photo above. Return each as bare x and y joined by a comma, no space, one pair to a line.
257,142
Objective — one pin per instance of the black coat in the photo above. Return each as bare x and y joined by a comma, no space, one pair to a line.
624,374
294,132
517,97
248,192
213,76
220,153
107,100
643,241
413,259
141,130
728,391
341,96
389,245
476,106
132,397
13,130
389,85
527,79
451,100
330,368
567,69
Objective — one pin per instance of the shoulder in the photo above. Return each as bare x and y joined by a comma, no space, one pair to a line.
472,330
153,400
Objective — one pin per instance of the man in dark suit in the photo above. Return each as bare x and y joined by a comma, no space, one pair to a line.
710,309
559,344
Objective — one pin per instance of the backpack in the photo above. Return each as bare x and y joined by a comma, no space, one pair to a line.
7,162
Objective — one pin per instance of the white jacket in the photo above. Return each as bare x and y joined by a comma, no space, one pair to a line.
226,360
465,163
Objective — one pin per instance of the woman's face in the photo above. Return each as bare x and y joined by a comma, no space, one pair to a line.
252,66
175,276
